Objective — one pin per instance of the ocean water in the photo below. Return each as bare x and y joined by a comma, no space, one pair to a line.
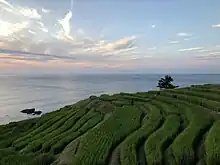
49,92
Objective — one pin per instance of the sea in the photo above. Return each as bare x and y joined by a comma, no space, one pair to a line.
49,92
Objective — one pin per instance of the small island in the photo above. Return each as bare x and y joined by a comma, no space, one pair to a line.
31,111
166,127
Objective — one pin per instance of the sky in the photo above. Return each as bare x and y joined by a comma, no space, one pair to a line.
110,36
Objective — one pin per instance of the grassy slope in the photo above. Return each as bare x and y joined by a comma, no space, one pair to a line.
176,127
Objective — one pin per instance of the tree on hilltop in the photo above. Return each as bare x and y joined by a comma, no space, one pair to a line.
166,83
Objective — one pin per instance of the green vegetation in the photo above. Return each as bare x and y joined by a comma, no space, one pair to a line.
161,139
166,127
95,147
184,145
166,83
212,145
150,124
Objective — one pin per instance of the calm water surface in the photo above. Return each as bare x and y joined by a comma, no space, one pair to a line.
49,92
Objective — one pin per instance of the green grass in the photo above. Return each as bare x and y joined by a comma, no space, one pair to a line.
207,94
184,145
37,135
210,104
22,141
199,121
150,124
212,145
29,159
58,129
66,129
167,127
166,108
70,136
160,140
96,146
169,158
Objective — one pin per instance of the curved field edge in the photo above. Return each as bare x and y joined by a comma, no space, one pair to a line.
179,126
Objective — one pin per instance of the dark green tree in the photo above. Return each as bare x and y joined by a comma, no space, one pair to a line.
166,83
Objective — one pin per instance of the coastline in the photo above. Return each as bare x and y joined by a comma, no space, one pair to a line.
123,119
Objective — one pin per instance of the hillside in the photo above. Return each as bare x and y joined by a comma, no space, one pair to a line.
170,127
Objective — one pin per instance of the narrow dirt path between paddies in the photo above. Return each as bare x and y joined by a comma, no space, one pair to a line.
114,159
200,150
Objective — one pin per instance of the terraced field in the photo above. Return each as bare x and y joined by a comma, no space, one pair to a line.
168,127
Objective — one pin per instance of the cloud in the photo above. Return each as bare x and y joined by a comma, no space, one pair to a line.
216,26
124,43
190,49
210,54
203,51
209,49
190,38
7,28
182,34
32,32
30,13
18,11
213,56
153,26
173,42
44,30
45,10
215,53
3,2
29,36
64,33
25,36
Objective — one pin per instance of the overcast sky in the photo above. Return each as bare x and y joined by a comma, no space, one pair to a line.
110,35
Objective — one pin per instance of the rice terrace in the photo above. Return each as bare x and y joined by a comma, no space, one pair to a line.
167,127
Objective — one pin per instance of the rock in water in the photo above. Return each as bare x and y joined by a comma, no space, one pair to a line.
28,111
37,112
